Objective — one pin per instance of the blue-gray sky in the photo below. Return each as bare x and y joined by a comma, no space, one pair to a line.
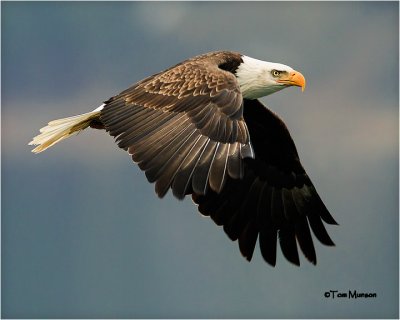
83,233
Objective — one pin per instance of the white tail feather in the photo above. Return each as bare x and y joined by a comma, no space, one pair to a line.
61,129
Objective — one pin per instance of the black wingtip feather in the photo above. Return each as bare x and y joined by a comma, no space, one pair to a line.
248,240
319,230
321,208
304,239
268,243
288,244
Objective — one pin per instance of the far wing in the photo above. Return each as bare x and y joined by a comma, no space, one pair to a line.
275,200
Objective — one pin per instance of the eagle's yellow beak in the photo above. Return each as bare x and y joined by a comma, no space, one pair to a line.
293,78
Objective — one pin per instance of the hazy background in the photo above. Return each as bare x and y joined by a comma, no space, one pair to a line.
83,233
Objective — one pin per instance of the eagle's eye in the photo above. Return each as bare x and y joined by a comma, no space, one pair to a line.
275,73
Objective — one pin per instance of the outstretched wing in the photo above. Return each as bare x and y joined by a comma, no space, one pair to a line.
184,127
274,200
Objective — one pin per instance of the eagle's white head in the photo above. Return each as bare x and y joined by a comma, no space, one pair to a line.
259,78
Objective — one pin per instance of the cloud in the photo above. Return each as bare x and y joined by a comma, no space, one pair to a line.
160,18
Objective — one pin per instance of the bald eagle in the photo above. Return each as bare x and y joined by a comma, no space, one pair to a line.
199,129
